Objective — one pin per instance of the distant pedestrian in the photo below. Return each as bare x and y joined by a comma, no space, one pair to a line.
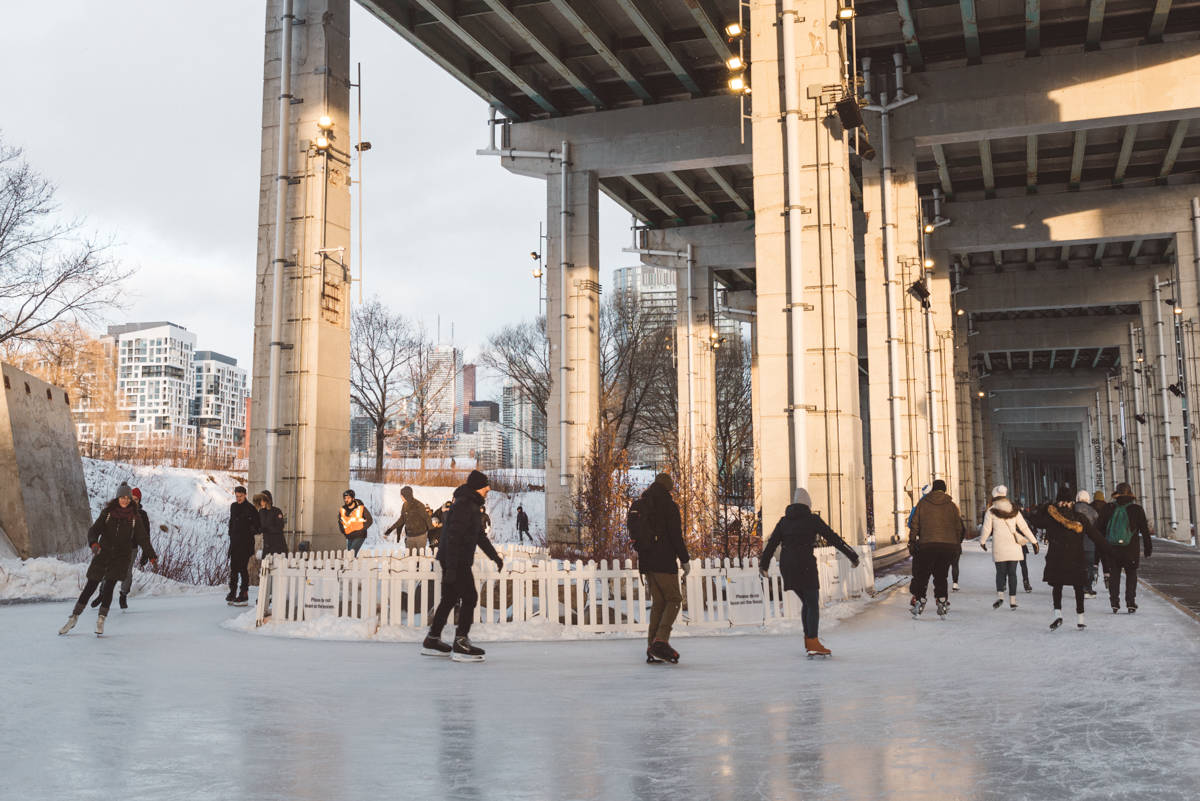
413,522
522,525
243,527
661,550
1083,505
797,532
270,523
1123,523
1066,565
936,528
463,533
113,538
353,521
1004,521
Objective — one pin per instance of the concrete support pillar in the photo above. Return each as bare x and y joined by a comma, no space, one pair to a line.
940,361
575,358
313,450
697,391
967,488
828,316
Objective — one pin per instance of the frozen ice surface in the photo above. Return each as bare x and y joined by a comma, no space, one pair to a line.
988,704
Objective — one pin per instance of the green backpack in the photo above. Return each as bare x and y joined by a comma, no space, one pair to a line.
1119,532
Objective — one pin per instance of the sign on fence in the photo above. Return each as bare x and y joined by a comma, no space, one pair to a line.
745,596
320,597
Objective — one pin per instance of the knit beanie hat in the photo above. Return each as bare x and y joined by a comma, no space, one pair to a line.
123,491
406,493
1098,497
270,498
349,492
136,493
1064,495
999,491
476,480
939,485
665,481
1123,489
1083,496
801,496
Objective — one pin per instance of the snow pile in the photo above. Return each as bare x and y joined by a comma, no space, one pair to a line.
52,579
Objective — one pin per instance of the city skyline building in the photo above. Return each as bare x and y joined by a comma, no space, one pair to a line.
524,430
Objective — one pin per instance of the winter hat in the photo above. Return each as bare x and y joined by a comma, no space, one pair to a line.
349,492
1099,496
406,493
1064,495
270,498
476,480
665,480
1083,496
136,493
1123,489
240,489
999,491
938,484
123,491
800,495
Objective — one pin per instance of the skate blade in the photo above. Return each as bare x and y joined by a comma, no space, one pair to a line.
821,656
433,652
465,658
237,603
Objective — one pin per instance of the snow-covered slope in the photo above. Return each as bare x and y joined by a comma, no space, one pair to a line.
53,579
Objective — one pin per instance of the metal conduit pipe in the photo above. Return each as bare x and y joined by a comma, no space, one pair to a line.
691,425
1112,431
278,255
564,214
1187,424
1168,451
931,373
795,294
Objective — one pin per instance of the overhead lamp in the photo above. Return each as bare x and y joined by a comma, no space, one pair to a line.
981,394
1175,390
363,147
961,312
929,228
322,142
533,254
929,264
1141,418
735,63
738,84
1169,301
325,122
536,272
845,11
733,30
920,293
1177,310
849,113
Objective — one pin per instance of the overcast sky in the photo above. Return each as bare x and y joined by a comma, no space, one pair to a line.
147,117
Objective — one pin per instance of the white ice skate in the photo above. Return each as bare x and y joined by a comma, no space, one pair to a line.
100,625
70,624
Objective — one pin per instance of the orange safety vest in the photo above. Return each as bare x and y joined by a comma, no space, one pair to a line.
353,521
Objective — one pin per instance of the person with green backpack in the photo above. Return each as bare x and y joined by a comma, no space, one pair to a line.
1122,523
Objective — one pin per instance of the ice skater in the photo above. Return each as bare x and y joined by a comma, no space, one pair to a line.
413,522
1066,565
797,532
522,525
1005,521
353,521
243,526
936,531
661,550
463,532
113,538
1123,522
1083,505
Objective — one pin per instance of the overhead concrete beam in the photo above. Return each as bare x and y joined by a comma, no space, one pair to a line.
1053,93
1062,333
1046,414
1057,289
688,135
720,246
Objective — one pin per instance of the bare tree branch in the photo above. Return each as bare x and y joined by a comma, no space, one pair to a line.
382,346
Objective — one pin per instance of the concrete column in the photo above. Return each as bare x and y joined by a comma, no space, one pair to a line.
832,435
964,436
697,391
313,460
942,357
579,351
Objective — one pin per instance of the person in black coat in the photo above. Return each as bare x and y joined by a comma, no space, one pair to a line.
243,527
117,532
270,523
522,525
1066,562
1125,557
797,532
462,533
658,561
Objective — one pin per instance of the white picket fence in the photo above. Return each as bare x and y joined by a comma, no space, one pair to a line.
400,589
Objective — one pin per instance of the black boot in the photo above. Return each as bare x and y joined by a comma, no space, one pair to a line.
122,600
231,597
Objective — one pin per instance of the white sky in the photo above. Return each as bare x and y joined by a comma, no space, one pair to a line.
147,117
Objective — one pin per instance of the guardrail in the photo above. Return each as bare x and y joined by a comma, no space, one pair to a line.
400,588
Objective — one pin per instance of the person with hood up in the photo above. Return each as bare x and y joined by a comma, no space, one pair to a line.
127,579
797,532
936,531
1083,505
353,521
462,533
270,523
413,522
658,562
1066,565
1122,523
522,525
113,538
243,527
1004,521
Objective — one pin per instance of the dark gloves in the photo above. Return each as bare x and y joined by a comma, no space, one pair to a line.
913,547
854,561
983,546
499,560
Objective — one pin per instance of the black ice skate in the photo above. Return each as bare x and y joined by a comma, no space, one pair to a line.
662,650
943,606
1057,622
124,600
231,597
433,646
463,651
996,604
1028,587
651,659
1131,608
916,606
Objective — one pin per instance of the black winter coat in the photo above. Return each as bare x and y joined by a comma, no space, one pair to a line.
463,532
119,532
664,522
797,533
270,522
243,525
1129,554
1066,561
522,521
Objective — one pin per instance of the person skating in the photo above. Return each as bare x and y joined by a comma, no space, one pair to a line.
659,558
937,530
522,525
1122,524
413,522
462,533
127,579
1083,505
796,533
353,521
112,538
243,527
270,523
1101,506
437,522
1005,522
1066,565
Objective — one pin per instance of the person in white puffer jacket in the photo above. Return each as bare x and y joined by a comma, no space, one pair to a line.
1004,521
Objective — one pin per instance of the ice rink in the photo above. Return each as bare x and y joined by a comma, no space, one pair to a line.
984,705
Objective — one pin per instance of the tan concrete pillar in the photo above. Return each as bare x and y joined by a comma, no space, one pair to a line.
579,351
828,316
313,461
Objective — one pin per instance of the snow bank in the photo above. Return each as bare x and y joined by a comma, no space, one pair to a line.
55,580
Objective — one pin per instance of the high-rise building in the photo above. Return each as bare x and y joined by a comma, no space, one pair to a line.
485,446
480,412
155,379
468,374
362,434
219,404
524,429
653,288
446,377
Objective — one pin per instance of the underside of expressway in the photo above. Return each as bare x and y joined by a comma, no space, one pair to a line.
982,268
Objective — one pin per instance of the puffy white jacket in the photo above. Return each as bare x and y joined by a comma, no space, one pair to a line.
1010,530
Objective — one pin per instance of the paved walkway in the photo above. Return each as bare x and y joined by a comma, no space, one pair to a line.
985,705
1174,570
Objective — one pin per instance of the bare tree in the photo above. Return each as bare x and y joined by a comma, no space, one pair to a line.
49,270
637,374
429,383
381,348
521,355
734,442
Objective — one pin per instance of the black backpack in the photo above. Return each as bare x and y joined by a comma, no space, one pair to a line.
637,520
